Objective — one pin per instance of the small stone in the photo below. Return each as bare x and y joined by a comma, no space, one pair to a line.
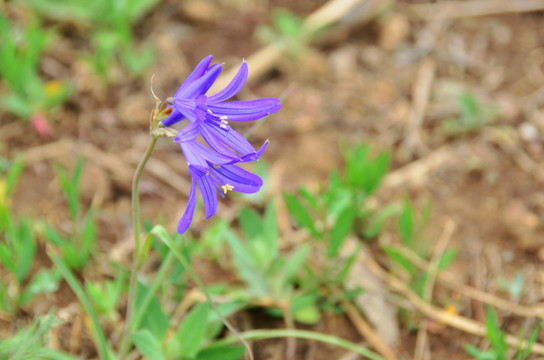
528,132
394,30
344,61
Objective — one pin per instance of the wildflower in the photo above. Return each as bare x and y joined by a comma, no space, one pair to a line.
212,114
213,173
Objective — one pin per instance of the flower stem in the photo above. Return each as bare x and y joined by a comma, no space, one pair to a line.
125,340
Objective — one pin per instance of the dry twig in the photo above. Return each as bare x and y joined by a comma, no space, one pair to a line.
432,271
464,9
459,322
476,294
421,94
367,332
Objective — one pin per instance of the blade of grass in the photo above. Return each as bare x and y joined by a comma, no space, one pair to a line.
100,338
301,334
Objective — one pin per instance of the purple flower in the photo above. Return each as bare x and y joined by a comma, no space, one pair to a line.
211,114
213,168
213,173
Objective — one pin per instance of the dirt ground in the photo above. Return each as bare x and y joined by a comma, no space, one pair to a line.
391,81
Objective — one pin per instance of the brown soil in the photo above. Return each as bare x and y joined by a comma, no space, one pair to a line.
361,86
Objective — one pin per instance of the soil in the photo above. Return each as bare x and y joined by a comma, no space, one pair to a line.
391,82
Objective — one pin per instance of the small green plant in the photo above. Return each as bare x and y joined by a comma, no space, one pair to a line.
25,94
330,215
30,342
410,228
152,330
286,31
498,347
514,288
110,23
76,245
105,295
270,277
473,116
18,251
193,339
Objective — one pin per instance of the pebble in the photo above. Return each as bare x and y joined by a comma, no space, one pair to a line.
528,132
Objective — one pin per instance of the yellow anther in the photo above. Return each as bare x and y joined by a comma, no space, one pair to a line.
226,188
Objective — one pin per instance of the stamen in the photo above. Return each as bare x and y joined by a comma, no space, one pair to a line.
227,187
216,166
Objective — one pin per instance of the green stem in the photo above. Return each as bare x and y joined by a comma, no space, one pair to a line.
300,334
99,336
125,341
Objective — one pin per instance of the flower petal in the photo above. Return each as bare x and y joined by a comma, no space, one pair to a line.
245,110
192,153
199,70
174,117
213,157
256,155
241,180
233,87
188,133
218,138
187,108
187,216
207,188
201,85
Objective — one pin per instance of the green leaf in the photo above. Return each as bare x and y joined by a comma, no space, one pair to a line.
154,319
251,224
496,337
377,222
287,22
397,257
447,258
294,264
305,310
406,224
356,166
16,105
246,265
45,281
365,173
525,352
25,245
190,335
6,257
340,230
300,214
14,174
309,197
477,354
53,237
270,229
148,345
221,353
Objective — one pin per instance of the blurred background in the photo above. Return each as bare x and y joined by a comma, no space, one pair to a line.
451,91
